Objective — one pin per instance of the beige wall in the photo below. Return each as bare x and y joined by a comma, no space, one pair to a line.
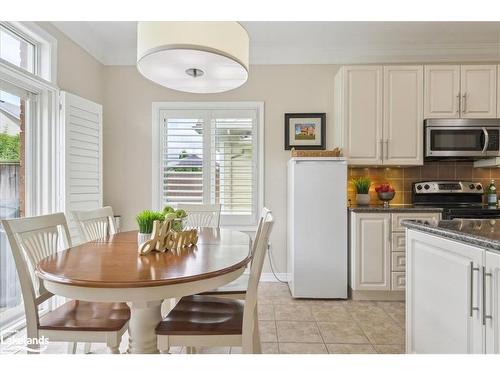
127,132
77,71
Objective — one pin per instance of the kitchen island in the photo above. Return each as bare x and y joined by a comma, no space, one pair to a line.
452,286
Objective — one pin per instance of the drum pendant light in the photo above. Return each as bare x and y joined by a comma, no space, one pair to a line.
197,57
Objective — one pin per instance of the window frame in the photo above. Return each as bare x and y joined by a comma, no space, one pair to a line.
44,163
159,107
45,54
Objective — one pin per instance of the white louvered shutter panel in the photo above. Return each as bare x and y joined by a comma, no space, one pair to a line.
82,120
210,156
182,159
233,165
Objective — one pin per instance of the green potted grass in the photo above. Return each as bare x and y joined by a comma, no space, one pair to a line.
145,220
362,186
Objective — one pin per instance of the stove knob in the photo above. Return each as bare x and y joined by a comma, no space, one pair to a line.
426,187
471,186
419,187
478,187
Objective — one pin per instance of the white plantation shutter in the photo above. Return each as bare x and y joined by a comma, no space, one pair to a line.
233,163
82,121
182,158
211,156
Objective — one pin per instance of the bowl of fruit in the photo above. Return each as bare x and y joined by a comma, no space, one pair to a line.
385,193
179,217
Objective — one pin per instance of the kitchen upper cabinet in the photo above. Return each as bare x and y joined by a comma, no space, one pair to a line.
492,302
479,91
379,113
460,91
403,115
443,296
370,251
359,90
442,91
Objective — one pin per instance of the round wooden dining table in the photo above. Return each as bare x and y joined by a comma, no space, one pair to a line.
111,270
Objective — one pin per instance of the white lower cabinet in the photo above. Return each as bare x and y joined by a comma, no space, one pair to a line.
377,252
452,296
370,251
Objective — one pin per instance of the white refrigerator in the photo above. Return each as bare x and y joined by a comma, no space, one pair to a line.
317,227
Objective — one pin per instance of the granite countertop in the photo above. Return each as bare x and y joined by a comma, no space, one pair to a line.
484,233
393,208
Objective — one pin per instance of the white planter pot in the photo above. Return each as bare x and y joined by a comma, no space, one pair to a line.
142,237
363,199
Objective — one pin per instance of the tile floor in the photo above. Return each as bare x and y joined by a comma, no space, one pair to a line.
289,326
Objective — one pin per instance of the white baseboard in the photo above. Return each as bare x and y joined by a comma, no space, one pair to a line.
268,277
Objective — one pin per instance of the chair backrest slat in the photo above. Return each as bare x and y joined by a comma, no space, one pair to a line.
262,218
202,215
32,239
95,224
258,257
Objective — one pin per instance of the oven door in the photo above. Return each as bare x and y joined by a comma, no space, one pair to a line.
462,142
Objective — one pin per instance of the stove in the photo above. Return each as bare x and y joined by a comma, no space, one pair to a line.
458,199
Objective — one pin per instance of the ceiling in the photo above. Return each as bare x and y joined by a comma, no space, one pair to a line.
114,42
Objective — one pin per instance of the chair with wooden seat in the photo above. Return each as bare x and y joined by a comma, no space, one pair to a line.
95,224
201,215
201,321
33,239
237,288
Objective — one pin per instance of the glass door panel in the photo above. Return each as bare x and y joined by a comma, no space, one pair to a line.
13,106
457,140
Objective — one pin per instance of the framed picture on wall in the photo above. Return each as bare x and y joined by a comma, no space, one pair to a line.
305,131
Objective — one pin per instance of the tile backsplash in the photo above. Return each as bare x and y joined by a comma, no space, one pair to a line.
402,178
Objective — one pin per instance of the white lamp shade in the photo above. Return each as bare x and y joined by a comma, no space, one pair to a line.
198,57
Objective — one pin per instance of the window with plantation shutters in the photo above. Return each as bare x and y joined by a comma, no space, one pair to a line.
210,153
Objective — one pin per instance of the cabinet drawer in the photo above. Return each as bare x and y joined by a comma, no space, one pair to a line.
398,261
398,281
397,218
398,241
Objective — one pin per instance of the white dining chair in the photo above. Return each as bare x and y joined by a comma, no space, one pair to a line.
201,321
95,224
33,239
237,289
202,215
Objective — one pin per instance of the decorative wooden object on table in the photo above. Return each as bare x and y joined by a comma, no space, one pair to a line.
336,152
165,238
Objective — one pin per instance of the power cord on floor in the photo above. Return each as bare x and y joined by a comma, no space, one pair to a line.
271,264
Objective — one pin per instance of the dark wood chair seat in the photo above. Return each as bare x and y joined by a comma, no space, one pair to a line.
86,316
238,286
203,315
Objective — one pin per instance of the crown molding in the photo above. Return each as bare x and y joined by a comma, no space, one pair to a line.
315,53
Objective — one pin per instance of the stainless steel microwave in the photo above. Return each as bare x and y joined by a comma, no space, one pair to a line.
461,138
